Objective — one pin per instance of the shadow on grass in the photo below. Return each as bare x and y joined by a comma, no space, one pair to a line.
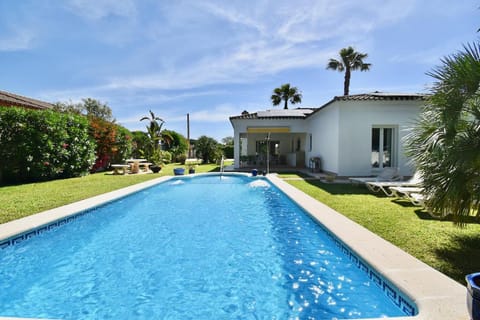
462,252
340,188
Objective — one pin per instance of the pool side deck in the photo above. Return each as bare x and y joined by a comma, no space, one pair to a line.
437,296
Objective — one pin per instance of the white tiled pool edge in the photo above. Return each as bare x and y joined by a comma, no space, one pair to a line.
23,225
437,296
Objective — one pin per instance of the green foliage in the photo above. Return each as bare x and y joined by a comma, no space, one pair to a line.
228,147
207,149
286,93
89,107
154,132
445,142
122,147
114,143
43,145
181,158
177,144
140,145
349,61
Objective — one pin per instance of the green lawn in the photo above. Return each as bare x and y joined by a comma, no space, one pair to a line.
452,250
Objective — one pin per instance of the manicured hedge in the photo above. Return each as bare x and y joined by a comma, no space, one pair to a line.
41,145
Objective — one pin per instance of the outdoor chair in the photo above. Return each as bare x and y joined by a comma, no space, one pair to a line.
388,174
414,194
386,186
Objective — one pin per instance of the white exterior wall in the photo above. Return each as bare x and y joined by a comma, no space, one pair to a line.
324,128
355,129
341,134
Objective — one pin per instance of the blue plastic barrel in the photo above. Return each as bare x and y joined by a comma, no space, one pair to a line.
473,295
254,172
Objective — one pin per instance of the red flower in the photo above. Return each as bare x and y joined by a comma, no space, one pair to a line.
46,163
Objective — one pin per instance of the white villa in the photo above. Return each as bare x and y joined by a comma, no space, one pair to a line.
355,135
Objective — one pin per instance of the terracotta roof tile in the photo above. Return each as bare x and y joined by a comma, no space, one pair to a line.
10,99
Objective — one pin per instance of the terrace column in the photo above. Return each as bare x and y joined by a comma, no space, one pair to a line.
236,149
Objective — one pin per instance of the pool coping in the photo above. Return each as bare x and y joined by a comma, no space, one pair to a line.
435,295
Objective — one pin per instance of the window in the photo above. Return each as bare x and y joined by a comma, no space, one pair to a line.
383,147
311,143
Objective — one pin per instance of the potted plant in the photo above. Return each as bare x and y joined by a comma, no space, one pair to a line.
191,164
157,161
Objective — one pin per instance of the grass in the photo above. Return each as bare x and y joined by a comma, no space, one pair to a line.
23,200
452,250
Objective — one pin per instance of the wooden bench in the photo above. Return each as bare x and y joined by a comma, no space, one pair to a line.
120,168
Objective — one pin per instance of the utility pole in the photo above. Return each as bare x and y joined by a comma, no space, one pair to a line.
188,136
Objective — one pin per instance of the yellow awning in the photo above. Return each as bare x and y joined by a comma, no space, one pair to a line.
268,129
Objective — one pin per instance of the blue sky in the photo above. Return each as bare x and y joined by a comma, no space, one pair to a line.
214,59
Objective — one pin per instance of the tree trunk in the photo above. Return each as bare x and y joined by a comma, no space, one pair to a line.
286,104
346,84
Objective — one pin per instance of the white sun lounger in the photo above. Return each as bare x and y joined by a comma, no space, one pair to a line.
386,186
388,174
414,194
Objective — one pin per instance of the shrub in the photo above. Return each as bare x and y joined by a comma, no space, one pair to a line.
43,145
114,143
181,158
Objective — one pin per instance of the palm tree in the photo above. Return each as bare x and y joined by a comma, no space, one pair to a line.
445,142
350,60
154,131
286,93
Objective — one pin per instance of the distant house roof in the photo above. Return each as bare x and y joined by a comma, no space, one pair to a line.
377,96
381,96
298,113
302,113
8,99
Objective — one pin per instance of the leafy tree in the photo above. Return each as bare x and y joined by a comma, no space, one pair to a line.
89,107
227,141
177,143
445,142
206,148
286,93
97,109
349,61
228,147
114,143
140,144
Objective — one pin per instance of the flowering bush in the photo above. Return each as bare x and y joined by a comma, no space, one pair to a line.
114,143
43,145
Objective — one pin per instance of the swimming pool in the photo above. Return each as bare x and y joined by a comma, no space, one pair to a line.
201,248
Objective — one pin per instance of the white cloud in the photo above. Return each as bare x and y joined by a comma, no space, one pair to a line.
21,40
278,36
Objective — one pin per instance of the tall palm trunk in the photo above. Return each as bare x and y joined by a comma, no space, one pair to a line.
286,104
346,83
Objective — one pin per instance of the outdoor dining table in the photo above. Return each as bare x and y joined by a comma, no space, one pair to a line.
137,163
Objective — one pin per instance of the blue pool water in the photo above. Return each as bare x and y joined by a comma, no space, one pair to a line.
191,248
